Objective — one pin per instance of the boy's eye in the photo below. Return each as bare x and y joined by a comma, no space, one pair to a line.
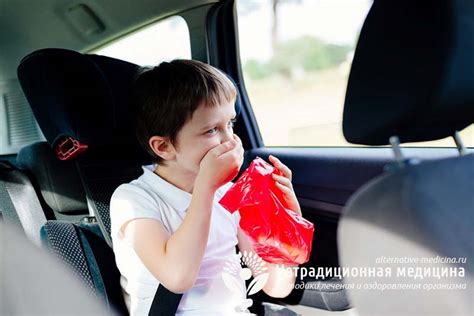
211,131
231,124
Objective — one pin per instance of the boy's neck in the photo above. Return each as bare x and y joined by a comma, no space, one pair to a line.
183,182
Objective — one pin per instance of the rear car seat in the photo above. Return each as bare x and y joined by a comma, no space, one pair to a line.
82,106
73,98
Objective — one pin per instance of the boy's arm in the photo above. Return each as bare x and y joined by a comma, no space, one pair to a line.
174,259
280,282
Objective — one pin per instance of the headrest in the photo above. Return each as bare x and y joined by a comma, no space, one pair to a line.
413,72
82,96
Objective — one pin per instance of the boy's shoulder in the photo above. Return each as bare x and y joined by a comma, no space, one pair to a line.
137,188
136,197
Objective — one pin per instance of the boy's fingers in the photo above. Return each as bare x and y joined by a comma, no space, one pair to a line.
282,180
223,148
282,167
238,140
284,188
231,157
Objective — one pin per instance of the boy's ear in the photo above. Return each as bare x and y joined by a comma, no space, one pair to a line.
162,147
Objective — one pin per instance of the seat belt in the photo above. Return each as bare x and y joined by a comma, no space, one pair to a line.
22,207
6,207
165,302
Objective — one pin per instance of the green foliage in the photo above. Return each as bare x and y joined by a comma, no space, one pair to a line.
256,70
308,53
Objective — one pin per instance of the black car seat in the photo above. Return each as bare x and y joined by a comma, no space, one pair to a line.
412,80
76,101
81,103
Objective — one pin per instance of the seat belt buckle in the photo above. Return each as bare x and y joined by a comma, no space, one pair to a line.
69,148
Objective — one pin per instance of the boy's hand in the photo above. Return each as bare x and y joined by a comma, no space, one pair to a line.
284,184
222,163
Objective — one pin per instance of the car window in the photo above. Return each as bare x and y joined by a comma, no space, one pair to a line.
296,56
164,40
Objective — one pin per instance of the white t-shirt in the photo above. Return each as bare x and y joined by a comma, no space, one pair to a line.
150,196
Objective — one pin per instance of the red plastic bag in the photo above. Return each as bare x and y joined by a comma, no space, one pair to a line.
278,235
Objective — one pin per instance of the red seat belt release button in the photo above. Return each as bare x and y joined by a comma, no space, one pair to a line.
69,148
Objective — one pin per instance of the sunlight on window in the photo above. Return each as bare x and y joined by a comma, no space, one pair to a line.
296,57
162,41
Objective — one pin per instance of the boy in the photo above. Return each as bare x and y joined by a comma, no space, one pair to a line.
167,225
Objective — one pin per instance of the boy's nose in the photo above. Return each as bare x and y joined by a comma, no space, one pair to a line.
226,136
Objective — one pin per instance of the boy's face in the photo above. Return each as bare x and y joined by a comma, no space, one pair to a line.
208,127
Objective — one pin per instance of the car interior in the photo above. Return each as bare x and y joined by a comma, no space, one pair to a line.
408,82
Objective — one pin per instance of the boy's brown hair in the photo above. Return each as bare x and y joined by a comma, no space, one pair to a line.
167,95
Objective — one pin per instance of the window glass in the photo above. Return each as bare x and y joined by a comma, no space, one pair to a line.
296,56
162,41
